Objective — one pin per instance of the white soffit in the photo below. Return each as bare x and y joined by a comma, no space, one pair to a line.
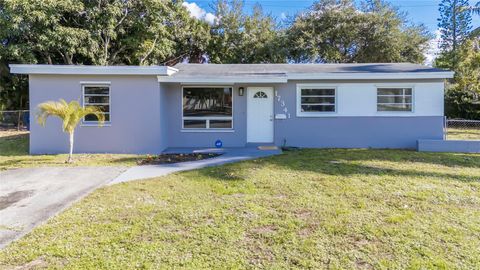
223,79
92,70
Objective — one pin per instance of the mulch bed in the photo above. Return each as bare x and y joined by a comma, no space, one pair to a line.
175,158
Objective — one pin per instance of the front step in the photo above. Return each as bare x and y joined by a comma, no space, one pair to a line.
263,146
267,147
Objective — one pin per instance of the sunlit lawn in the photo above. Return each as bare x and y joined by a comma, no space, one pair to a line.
305,209
463,134
14,154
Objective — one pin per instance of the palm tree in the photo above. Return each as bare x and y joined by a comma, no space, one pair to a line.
70,113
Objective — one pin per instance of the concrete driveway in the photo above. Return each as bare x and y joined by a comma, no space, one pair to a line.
28,197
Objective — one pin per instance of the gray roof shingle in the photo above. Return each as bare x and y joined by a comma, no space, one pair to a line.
279,69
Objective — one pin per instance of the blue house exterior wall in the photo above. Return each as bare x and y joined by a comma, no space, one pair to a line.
147,118
182,138
358,132
135,116
317,132
351,131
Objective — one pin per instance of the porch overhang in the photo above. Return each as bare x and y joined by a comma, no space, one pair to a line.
282,78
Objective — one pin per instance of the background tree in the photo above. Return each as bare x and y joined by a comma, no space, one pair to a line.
148,32
462,99
99,32
71,114
455,25
339,31
163,32
237,37
36,32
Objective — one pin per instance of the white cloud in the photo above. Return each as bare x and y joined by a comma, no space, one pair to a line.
433,49
199,13
210,18
283,15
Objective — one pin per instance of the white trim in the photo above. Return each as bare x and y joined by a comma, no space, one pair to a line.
96,123
316,86
395,85
224,79
207,118
371,76
304,76
206,85
95,82
92,70
163,73
212,130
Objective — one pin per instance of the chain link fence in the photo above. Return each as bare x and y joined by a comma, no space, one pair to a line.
14,120
462,129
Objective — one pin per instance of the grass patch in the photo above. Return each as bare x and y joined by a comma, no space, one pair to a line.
463,134
338,209
14,154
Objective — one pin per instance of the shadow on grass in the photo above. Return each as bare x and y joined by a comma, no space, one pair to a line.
14,145
348,162
133,159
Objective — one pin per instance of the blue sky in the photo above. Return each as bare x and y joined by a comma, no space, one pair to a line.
419,11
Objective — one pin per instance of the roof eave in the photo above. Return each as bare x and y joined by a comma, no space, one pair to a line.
222,79
91,70
371,76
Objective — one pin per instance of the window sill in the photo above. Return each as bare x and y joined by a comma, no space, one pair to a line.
95,125
396,113
207,130
333,114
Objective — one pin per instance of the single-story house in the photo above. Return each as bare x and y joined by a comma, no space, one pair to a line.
151,108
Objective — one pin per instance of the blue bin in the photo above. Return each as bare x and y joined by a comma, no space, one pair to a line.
26,120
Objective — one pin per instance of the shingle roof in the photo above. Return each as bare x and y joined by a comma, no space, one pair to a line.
278,69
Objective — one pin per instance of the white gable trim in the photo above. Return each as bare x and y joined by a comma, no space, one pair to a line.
164,74
92,70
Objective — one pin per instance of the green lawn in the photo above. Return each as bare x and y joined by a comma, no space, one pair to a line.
14,154
336,209
463,134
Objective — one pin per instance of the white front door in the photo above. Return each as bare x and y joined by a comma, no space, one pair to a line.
260,114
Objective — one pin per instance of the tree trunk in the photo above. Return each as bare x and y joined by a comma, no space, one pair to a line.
70,155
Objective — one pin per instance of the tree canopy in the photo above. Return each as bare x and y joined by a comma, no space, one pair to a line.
455,25
238,37
460,51
163,32
340,31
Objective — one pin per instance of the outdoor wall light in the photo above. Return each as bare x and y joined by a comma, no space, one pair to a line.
241,91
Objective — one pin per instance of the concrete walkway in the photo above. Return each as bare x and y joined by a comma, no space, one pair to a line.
28,197
229,155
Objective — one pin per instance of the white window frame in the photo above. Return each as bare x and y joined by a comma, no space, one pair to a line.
394,86
207,118
316,86
97,84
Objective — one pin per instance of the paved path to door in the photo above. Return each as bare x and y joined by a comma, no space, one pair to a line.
28,197
229,155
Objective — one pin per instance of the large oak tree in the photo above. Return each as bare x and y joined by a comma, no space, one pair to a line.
340,31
